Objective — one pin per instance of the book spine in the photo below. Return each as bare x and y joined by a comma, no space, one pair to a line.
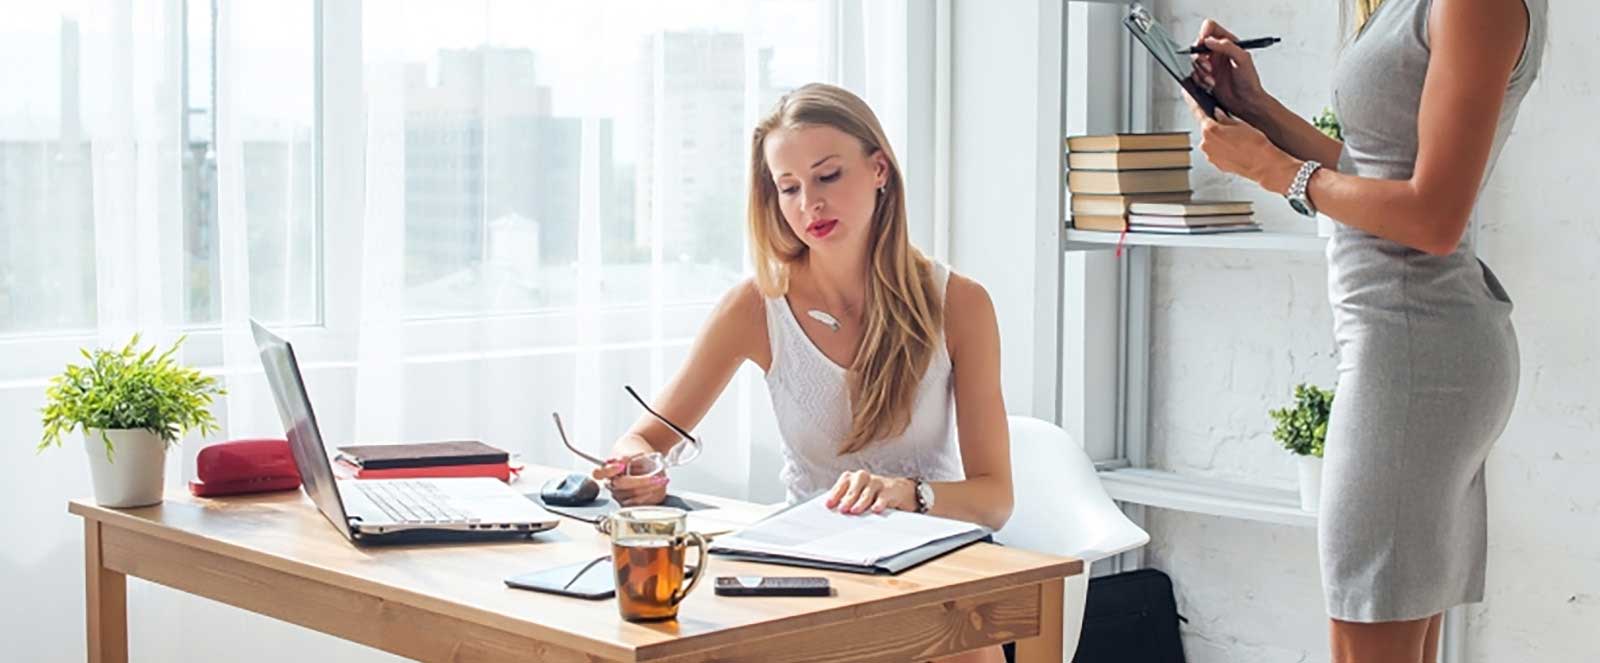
436,461
501,471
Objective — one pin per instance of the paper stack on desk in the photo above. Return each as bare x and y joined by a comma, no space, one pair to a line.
811,534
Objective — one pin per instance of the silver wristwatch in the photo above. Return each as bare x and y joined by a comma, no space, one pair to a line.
1297,191
924,496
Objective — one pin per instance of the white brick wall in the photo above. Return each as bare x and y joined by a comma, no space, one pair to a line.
1234,331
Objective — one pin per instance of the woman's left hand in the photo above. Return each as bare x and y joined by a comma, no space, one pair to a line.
1233,146
862,491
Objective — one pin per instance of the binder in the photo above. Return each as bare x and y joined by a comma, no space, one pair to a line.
888,564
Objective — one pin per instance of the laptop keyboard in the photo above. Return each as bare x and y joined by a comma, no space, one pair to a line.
413,502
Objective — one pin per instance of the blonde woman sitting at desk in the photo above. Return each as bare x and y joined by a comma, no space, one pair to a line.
866,343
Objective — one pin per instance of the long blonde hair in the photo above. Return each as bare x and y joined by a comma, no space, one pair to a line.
903,312
1364,10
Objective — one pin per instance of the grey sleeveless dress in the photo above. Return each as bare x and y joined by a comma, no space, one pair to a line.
1428,362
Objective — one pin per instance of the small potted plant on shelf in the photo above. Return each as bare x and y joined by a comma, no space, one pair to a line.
1328,124
132,406
1302,429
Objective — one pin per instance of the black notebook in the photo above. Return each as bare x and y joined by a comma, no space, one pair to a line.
422,454
810,535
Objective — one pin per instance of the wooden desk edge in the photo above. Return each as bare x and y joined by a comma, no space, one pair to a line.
110,517
705,642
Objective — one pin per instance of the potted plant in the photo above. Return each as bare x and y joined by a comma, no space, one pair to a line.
1328,124
1302,429
132,406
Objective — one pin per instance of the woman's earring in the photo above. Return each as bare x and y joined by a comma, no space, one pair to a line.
882,188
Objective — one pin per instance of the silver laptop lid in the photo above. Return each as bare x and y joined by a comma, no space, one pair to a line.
300,425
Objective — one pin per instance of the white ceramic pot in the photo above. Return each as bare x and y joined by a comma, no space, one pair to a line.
1325,225
1310,482
134,475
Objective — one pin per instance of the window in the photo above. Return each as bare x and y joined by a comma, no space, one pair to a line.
48,143
558,150
250,78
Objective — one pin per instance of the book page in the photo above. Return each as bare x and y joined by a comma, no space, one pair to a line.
811,530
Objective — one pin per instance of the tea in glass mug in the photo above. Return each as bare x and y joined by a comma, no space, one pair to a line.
647,552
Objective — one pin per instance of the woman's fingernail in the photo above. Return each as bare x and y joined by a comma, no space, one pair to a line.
659,481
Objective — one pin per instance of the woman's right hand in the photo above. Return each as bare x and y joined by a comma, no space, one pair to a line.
1229,71
631,490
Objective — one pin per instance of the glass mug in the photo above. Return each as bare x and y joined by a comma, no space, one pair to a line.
647,551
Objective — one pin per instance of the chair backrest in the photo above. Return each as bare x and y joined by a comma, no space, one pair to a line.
1061,507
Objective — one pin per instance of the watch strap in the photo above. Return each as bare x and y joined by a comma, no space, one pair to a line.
1298,190
919,489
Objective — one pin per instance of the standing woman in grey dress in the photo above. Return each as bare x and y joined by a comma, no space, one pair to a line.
1427,92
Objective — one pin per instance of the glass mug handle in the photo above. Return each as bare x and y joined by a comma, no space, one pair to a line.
697,541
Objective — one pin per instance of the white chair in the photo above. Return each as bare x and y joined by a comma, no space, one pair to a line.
1062,509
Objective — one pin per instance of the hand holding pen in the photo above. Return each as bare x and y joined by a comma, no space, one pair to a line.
1248,44
1228,71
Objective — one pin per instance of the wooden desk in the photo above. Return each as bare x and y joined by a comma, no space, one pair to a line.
276,555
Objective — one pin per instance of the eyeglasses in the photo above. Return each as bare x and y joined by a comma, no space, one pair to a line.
647,464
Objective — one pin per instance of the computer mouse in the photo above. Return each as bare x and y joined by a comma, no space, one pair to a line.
575,489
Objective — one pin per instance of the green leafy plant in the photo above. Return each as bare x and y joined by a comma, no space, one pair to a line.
125,389
1328,124
1303,428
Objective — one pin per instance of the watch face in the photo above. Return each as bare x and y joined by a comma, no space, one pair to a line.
1300,206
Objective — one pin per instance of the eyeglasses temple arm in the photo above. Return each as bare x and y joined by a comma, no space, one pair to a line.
657,415
571,448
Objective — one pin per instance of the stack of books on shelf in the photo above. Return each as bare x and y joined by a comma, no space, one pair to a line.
1192,217
1108,174
1110,177
466,458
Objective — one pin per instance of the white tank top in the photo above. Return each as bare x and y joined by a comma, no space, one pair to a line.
811,399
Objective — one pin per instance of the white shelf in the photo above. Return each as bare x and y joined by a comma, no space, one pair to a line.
1266,240
1169,490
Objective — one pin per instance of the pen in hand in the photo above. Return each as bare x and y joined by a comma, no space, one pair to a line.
1248,44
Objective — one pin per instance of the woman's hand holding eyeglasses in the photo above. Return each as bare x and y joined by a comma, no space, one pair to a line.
632,490
861,491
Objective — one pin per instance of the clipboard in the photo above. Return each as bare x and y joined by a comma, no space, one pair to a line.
1166,51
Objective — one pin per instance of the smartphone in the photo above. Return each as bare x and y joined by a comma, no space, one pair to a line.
772,586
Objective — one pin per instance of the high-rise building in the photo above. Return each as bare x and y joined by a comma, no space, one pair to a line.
47,275
486,160
693,175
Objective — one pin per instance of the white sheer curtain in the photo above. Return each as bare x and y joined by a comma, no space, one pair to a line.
525,207
91,250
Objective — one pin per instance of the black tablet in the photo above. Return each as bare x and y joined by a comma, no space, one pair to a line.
1168,52
589,579
593,579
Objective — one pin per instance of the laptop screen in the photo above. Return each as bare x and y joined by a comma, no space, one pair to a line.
300,425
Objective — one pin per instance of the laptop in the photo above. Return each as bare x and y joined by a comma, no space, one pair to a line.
373,511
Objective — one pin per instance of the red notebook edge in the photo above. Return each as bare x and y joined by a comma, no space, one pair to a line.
502,471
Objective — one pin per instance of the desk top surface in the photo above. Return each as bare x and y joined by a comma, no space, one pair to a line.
284,531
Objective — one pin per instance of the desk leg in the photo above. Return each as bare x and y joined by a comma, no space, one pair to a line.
1047,646
106,602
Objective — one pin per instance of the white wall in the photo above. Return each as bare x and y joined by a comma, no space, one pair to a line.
993,199
1005,215
1234,331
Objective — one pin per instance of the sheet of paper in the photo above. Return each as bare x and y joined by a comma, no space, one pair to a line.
813,531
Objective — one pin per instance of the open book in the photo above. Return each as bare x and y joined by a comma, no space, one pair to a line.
810,534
